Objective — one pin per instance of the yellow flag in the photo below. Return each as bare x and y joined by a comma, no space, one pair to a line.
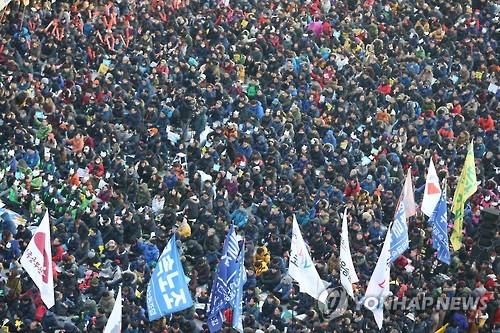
467,186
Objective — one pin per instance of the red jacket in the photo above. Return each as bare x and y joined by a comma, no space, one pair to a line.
385,89
488,124
350,190
57,252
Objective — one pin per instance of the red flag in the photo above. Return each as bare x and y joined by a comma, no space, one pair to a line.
37,261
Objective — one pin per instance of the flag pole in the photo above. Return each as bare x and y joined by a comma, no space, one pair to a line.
22,17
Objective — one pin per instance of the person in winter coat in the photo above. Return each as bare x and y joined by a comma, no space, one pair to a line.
32,157
100,321
143,197
240,216
7,223
270,279
107,302
270,304
191,207
9,248
149,250
184,229
50,323
27,307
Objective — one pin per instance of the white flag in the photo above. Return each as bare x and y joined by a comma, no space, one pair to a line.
37,261
408,199
114,324
4,3
378,287
432,191
347,273
302,269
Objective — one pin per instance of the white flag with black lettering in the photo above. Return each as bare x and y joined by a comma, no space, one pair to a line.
347,273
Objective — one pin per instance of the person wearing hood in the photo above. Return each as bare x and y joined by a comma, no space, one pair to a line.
191,207
50,323
107,302
96,289
7,223
184,229
143,197
240,216
140,270
149,250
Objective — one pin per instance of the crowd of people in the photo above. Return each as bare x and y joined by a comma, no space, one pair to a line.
131,120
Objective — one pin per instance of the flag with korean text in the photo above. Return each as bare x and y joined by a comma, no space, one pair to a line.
405,209
347,273
466,186
224,288
439,223
168,288
236,301
37,262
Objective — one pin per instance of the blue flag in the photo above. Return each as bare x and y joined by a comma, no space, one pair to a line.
439,223
236,302
167,289
399,233
223,289
406,209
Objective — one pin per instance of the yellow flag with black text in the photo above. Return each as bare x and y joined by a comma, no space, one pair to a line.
466,186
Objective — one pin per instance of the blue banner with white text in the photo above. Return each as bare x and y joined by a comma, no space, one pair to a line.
168,289
223,289
439,224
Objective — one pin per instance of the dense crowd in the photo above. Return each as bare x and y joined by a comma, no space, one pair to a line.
133,120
